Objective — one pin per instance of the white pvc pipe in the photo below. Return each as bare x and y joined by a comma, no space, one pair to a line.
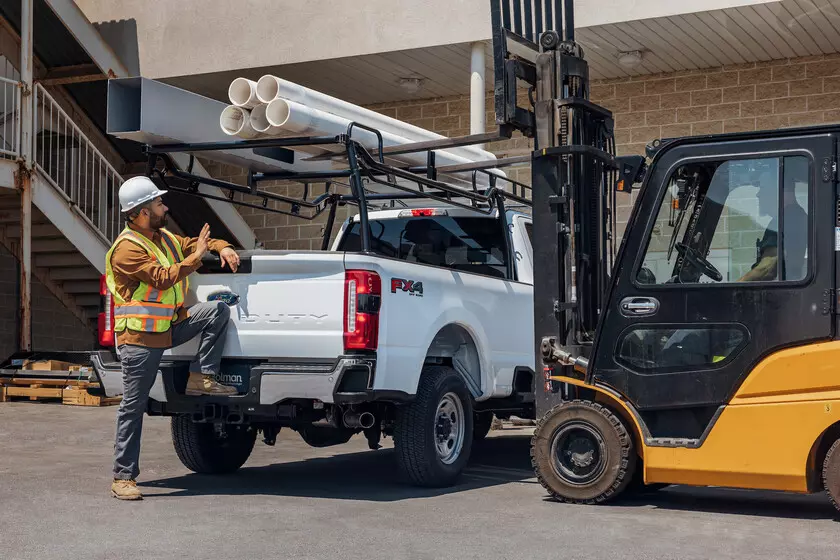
260,123
300,119
271,87
477,90
243,93
236,121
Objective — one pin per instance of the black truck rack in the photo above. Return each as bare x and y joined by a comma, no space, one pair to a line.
363,168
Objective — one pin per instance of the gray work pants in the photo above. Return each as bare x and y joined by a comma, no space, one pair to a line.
140,367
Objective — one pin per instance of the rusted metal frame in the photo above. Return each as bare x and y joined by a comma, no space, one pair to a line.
23,177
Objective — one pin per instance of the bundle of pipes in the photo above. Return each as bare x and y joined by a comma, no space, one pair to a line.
276,107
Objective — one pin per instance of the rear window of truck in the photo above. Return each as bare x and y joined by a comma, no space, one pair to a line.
467,244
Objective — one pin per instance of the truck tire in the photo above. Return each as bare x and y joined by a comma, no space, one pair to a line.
482,423
433,434
831,474
582,453
201,450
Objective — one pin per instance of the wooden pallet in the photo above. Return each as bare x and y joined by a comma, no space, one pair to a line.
69,391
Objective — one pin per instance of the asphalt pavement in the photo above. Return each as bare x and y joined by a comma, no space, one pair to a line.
346,502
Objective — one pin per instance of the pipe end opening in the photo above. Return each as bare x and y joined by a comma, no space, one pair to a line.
232,120
277,112
267,89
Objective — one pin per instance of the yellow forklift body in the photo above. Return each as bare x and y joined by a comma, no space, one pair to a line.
766,435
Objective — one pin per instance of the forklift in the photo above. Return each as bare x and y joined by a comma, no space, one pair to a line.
703,350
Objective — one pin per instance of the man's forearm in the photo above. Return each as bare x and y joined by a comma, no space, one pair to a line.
764,270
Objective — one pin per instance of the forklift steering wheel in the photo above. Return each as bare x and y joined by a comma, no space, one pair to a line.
699,262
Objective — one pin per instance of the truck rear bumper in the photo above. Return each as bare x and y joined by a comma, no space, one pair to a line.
267,390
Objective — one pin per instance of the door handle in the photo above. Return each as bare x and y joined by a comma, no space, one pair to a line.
639,306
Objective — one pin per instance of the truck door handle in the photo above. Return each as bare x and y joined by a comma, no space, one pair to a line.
639,306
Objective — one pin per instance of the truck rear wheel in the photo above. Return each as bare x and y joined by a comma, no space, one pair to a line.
201,449
831,474
433,435
582,453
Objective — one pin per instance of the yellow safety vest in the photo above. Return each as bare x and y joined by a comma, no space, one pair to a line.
150,310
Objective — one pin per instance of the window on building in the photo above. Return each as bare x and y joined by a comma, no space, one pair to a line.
720,222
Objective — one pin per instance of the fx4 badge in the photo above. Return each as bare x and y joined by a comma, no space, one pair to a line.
413,288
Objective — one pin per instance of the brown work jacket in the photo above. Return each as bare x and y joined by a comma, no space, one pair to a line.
132,265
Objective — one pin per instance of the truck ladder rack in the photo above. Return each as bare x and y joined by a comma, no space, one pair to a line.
364,168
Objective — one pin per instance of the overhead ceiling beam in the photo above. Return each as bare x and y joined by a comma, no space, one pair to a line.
73,74
88,37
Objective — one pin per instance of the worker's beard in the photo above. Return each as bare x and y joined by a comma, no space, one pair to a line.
157,222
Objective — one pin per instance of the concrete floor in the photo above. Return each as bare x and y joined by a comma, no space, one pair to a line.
345,502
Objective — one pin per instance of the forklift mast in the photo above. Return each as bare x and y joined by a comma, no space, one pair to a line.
574,176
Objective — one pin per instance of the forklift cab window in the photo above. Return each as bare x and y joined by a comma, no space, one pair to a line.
719,222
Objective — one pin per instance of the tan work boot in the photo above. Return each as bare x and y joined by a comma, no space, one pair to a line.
200,384
125,490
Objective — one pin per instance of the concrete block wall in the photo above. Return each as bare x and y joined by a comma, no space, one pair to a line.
747,97
53,326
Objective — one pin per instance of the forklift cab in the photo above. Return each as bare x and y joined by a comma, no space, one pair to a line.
727,258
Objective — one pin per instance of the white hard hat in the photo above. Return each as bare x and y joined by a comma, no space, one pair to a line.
136,191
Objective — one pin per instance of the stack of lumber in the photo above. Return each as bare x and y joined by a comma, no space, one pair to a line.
52,380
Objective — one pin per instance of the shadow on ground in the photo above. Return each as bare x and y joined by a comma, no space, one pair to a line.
368,475
373,476
736,502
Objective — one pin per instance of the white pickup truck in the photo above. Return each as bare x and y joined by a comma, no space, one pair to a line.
423,339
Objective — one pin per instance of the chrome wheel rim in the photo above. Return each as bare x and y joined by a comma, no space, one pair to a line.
449,428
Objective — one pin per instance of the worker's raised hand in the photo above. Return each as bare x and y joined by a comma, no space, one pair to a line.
230,257
201,245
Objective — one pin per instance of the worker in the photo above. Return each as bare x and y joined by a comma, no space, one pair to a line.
795,231
147,271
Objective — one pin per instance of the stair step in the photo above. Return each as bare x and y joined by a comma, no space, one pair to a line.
86,300
67,259
53,246
39,231
81,286
80,273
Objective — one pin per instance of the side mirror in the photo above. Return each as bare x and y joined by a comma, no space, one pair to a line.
631,170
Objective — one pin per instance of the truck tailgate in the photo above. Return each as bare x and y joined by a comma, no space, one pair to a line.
291,305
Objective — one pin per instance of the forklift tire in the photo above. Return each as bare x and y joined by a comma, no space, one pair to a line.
433,435
582,453
482,423
202,450
831,474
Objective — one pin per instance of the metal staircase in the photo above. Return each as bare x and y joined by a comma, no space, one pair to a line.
74,193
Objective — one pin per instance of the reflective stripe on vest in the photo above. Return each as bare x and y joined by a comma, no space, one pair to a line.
176,255
144,309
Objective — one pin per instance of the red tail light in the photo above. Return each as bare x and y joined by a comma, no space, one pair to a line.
105,319
362,298
423,213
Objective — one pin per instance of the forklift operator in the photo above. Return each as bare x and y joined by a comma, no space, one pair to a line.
147,271
795,240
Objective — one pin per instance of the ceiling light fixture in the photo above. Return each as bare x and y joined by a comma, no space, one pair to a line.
411,85
630,59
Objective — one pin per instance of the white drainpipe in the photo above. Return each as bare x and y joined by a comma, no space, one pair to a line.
477,91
